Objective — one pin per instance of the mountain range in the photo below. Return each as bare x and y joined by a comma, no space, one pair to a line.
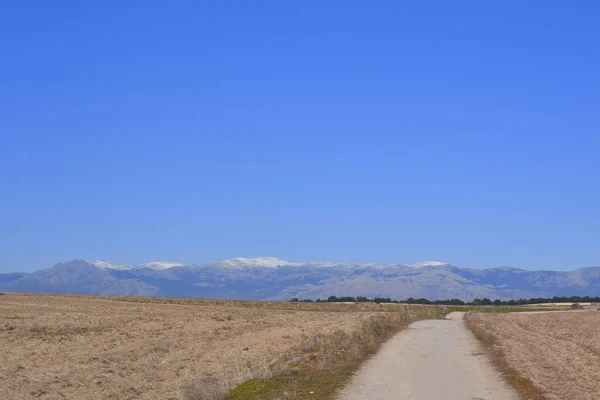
268,278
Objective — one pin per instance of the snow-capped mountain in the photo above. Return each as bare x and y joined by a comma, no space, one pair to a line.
110,265
160,265
276,279
260,262
428,264
152,265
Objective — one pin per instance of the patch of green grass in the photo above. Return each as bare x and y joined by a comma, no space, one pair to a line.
314,386
248,390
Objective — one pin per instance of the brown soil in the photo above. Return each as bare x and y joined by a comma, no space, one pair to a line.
82,347
558,354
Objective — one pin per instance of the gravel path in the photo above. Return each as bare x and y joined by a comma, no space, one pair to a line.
432,359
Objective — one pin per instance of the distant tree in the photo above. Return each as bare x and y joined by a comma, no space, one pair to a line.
382,300
474,302
294,300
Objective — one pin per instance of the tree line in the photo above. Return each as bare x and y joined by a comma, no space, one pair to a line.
457,302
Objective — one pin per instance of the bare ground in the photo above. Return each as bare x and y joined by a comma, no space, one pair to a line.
74,347
559,353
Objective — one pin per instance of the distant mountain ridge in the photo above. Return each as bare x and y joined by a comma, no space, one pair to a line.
269,278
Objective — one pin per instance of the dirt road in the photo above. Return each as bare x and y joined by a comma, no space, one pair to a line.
432,359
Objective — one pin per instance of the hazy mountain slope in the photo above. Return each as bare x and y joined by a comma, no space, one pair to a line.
81,277
271,278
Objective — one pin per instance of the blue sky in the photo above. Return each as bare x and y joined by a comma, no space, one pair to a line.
356,131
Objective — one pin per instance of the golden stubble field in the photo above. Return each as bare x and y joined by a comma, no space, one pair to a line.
558,352
85,347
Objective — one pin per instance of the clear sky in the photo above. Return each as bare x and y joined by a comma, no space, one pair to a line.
460,131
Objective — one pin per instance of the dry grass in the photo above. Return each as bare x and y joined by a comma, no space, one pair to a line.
56,347
546,356
271,305
326,361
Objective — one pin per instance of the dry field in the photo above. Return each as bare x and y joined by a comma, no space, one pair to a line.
84,347
558,354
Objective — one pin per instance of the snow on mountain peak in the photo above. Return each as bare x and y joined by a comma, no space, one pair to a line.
256,262
109,265
153,265
161,265
243,262
428,264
